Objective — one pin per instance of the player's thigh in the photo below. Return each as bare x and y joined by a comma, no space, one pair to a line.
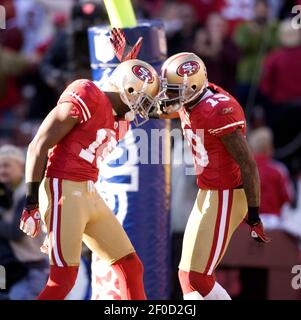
238,213
105,236
199,232
63,212
211,224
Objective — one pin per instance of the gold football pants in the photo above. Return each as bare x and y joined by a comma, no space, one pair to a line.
215,216
74,212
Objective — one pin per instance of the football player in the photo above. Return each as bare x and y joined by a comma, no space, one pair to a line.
229,191
214,124
80,131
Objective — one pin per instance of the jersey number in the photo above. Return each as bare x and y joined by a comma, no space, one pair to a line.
105,142
217,98
198,148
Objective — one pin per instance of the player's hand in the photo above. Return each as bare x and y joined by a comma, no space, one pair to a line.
31,221
122,48
257,231
45,246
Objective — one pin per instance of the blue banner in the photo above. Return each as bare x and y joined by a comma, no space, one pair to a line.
137,191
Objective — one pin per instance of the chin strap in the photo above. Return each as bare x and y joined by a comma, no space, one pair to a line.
136,107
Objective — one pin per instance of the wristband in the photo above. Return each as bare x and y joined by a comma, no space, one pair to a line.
253,214
32,194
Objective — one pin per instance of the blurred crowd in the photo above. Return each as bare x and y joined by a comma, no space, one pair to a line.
250,48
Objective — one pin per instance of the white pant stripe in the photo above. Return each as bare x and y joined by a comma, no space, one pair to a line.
55,222
221,231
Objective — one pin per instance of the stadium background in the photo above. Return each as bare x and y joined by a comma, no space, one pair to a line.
250,49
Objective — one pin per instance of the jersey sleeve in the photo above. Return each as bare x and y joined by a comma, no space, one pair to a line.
84,96
226,119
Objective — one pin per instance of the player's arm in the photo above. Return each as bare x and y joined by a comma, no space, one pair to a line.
53,129
174,115
236,144
158,113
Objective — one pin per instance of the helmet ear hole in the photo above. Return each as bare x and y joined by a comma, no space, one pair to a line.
193,86
131,90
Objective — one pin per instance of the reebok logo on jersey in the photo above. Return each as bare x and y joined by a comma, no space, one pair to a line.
226,110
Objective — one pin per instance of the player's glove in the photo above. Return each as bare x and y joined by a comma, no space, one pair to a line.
31,218
31,221
256,227
122,48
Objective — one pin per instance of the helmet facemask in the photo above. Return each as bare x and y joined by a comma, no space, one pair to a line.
173,96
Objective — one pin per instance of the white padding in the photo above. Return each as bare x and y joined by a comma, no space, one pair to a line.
217,293
194,295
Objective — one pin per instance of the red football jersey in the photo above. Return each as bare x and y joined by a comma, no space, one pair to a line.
75,157
217,114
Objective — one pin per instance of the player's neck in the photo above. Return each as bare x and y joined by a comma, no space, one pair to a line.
204,95
207,94
118,107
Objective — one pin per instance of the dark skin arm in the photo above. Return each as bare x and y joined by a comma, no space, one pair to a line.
156,115
237,146
174,115
53,129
